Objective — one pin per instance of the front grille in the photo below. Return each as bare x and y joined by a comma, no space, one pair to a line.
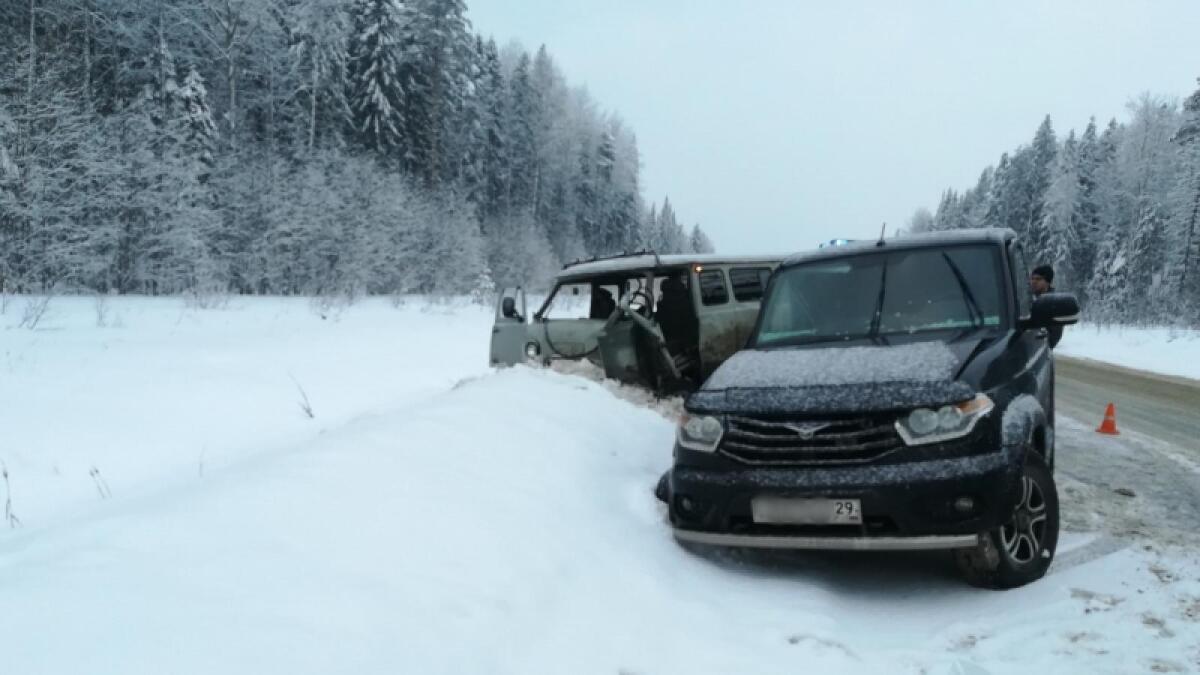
848,440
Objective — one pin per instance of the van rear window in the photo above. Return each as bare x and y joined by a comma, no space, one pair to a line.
712,287
749,282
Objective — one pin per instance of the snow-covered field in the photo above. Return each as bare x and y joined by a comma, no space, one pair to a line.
182,514
1169,351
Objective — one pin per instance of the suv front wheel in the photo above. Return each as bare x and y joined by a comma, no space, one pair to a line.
1021,550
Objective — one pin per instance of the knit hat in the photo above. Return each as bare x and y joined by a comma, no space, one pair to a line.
1046,272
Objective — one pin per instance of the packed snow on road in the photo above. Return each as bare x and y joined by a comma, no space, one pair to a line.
273,487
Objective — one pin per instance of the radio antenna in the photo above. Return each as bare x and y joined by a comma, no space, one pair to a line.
882,231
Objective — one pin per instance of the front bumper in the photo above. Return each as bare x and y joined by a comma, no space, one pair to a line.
905,505
829,543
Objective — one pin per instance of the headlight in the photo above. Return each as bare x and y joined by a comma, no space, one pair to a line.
924,425
700,432
532,349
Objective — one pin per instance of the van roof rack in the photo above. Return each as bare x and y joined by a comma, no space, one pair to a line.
623,254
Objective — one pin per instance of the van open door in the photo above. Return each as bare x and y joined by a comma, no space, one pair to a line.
509,330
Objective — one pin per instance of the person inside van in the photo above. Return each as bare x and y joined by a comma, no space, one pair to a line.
674,315
603,304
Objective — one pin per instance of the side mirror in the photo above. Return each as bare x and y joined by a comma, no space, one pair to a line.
1054,309
508,307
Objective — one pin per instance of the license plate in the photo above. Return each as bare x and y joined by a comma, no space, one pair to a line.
786,511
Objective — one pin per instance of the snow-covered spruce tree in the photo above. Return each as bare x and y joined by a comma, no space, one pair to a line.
1109,235
921,220
975,208
997,210
375,92
947,216
1137,190
1132,280
617,198
549,95
651,236
471,139
1082,256
1062,221
556,137
8,133
440,45
198,227
671,236
522,114
491,94
586,207
1041,157
699,241
1185,222
316,31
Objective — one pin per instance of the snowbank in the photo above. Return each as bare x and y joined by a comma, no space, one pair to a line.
1169,351
438,517
163,391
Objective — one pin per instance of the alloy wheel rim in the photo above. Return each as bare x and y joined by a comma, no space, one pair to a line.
1023,537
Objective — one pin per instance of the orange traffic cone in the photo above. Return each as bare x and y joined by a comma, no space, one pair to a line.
1109,425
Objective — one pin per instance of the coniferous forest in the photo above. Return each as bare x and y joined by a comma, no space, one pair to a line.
1114,209
300,147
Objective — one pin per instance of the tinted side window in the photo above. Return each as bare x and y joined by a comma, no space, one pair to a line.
712,288
748,282
1021,281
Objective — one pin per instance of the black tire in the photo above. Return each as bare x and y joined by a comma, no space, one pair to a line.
662,490
1020,551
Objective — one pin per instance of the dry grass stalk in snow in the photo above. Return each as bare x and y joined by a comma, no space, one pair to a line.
305,405
35,310
9,517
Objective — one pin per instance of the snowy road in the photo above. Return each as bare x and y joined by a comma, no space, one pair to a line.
439,517
1156,406
1141,488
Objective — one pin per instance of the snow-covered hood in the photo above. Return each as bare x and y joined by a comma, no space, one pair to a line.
838,379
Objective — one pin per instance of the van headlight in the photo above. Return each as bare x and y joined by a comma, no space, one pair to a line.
700,432
926,425
532,350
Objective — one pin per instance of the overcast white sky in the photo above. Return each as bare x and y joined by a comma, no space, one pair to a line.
776,124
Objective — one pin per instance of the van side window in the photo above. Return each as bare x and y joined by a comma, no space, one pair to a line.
748,282
712,287
1021,281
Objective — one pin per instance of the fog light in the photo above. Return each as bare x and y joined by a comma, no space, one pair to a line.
964,504
532,350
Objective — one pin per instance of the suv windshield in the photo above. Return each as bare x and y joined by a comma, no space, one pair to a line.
886,293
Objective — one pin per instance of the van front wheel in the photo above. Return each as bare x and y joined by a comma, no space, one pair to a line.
1021,550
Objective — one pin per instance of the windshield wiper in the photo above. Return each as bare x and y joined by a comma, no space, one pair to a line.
972,306
878,317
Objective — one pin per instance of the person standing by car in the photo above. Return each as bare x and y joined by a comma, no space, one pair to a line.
1041,282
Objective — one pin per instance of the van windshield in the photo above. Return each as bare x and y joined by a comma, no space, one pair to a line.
887,293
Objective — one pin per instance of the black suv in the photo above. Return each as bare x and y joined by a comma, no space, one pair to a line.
894,395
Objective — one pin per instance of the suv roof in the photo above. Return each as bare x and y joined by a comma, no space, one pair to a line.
993,235
649,261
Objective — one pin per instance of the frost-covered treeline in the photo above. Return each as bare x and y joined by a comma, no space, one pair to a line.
299,146
1116,210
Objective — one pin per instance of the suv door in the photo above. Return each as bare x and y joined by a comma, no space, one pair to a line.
509,329
1037,366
